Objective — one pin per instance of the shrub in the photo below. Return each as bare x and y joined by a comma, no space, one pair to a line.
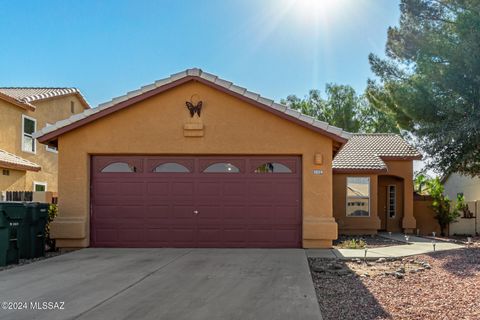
353,244
441,205
52,213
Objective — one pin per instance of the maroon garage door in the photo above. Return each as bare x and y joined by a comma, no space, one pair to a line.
153,201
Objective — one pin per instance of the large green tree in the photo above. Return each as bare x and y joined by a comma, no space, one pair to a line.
430,80
343,108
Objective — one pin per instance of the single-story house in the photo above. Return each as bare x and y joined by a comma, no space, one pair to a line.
197,161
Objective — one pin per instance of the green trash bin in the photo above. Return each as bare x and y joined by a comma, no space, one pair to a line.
8,233
19,218
37,220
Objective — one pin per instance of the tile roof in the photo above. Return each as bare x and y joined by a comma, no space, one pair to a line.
366,152
27,95
9,160
210,78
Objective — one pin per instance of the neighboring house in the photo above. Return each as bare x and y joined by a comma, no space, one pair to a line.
196,161
456,184
469,221
26,165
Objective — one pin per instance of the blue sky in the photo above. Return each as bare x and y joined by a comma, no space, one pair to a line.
276,47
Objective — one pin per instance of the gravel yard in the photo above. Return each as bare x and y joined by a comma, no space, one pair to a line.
372,241
441,285
475,240
27,261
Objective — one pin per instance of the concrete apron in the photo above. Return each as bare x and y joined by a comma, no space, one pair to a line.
165,284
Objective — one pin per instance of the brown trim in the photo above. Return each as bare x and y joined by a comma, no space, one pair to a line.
17,103
359,171
54,134
16,166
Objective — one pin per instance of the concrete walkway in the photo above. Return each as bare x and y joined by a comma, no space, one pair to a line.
415,246
165,284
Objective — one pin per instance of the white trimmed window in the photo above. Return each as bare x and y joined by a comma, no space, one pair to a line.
29,126
39,186
51,148
358,197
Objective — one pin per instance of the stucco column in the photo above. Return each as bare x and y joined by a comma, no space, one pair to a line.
319,226
409,223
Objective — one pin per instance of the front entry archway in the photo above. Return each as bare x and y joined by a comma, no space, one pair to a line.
390,202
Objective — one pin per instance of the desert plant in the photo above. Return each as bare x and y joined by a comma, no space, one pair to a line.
353,244
441,204
462,207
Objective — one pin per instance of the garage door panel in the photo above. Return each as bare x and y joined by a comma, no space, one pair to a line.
285,235
183,235
158,211
260,214
157,188
260,236
210,188
235,188
104,235
158,235
156,208
233,214
287,215
132,234
183,189
183,213
212,235
259,190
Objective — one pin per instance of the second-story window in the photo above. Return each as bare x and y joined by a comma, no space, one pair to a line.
72,107
29,125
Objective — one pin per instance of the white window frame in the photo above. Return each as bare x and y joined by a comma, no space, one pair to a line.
394,201
369,198
39,183
49,148
23,134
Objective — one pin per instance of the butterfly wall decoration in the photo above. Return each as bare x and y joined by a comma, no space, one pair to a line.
194,108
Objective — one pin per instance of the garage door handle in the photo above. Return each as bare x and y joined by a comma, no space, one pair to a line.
195,212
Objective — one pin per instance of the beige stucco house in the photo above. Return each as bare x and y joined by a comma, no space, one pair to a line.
26,165
194,160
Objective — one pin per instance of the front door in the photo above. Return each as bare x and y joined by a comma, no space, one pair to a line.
390,203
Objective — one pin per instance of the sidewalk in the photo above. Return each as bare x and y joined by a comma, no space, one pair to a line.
416,245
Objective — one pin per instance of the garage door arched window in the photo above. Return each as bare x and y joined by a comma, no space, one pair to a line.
119,167
171,167
272,167
221,167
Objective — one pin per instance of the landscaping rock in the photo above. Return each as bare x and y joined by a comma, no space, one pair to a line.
343,272
335,266
381,260
401,270
399,275
318,268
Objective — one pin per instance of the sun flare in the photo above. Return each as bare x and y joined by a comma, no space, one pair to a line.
318,8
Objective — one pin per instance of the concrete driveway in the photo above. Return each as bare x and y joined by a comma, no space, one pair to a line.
163,284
